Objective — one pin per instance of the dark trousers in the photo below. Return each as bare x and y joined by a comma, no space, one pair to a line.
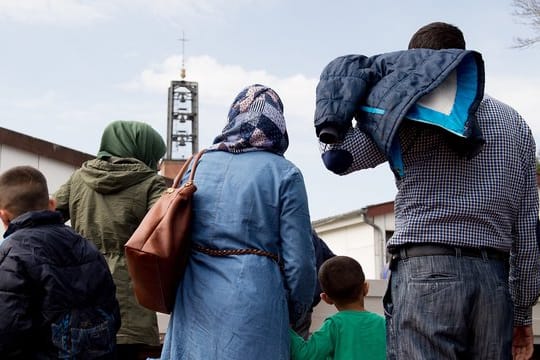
137,351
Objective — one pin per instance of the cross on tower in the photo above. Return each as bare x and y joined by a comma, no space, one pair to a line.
183,71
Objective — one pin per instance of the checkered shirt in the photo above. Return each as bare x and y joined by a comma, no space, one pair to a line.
490,200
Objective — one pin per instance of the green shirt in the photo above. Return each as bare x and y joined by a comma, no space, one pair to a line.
346,335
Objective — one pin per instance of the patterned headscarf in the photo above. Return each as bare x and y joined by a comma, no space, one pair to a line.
132,139
255,123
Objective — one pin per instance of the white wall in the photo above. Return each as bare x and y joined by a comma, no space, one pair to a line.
356,241
55,171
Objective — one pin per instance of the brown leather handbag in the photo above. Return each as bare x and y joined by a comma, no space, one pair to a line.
158,250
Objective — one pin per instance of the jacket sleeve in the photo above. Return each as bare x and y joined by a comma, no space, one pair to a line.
16,321
297,253
156,189
357,151
62,199
319,346
342,87
525,255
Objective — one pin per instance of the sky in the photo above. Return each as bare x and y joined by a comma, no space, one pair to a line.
69,67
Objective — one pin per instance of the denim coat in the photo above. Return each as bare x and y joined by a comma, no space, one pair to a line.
240,306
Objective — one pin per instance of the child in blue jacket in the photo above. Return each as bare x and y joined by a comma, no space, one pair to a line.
57,296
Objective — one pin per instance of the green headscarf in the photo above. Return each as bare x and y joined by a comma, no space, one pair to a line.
132,139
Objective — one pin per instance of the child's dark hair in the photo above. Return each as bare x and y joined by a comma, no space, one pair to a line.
342,279
23,189
437,35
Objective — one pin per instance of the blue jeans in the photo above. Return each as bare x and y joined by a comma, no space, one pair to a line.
84,334
448,307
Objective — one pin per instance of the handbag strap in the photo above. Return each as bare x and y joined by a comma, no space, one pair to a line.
194,160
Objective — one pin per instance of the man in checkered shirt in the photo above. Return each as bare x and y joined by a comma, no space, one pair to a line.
465,267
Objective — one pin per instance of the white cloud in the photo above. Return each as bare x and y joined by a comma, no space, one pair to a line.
219,83
82,12
182,8
50,11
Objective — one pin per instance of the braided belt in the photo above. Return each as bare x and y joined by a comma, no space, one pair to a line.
227,252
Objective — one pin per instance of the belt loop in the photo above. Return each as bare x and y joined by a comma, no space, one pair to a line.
402,252
458,251
484,254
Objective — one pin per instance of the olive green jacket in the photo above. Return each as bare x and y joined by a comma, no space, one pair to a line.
106,201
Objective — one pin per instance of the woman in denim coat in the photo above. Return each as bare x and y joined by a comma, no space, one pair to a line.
239,306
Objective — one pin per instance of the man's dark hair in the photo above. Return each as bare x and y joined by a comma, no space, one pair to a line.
437,35
23,189
342,279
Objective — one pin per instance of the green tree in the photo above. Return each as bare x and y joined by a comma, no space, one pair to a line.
529,12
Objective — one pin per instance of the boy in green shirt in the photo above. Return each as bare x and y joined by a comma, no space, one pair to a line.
351,333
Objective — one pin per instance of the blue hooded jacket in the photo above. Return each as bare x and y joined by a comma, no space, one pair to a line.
382,90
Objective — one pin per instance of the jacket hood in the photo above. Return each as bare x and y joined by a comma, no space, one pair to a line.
106,177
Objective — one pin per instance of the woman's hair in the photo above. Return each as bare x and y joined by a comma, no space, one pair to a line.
342,279
23,189
437,35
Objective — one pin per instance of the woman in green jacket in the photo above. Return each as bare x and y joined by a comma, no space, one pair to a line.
105,200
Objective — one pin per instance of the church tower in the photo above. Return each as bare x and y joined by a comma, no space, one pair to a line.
182,122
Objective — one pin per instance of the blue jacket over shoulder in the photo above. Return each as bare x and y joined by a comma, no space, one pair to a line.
57,297
383,90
